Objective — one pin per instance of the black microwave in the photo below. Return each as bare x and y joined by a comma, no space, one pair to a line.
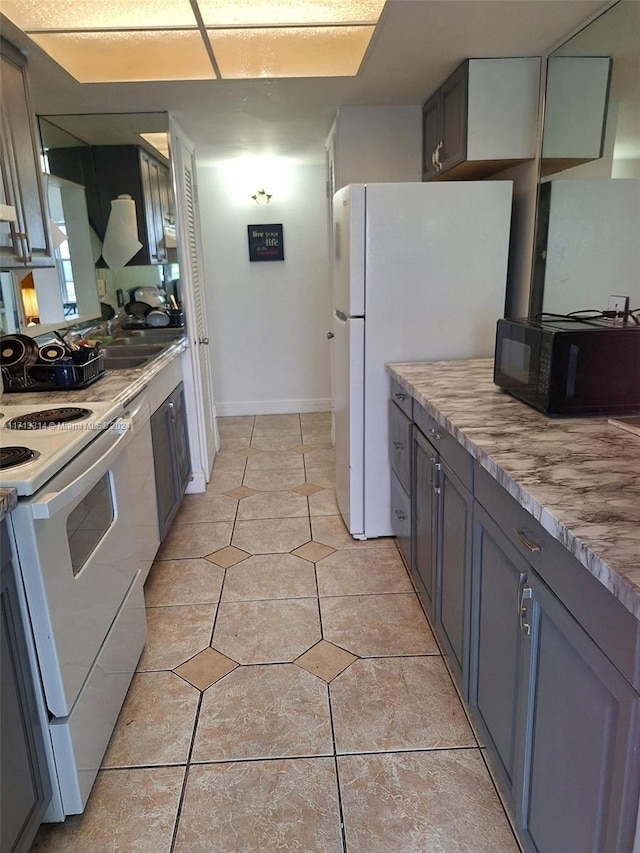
570,366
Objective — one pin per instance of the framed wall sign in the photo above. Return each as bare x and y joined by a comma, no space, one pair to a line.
265,243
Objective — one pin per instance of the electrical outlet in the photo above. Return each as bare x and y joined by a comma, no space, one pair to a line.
102,287
617,306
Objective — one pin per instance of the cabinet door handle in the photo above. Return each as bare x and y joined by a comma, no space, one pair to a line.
398,445
203,341
330,335
399,396
25,255
529,544
435,434
436,481
526,593
436,155
400,515
172,411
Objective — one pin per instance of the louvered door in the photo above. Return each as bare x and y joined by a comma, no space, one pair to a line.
189,248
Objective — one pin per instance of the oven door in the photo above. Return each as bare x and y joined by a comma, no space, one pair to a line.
77,552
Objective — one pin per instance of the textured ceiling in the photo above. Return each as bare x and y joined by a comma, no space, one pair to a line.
416,45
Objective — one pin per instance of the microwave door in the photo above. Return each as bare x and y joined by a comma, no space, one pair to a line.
517,363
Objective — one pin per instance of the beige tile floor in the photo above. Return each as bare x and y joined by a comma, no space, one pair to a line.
291,695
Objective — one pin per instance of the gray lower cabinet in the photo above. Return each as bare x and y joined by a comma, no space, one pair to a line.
499,574
25,789
442,512
424,511
453,571
579,737
547,659
170,456
560,721
400,462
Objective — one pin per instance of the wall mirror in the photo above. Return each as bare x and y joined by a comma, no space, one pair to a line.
122,154
588,214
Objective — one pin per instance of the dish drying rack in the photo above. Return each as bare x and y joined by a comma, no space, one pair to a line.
82,375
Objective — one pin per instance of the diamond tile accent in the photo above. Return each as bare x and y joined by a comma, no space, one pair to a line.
325,660
228,556
240,492
207,667
313,551
308,489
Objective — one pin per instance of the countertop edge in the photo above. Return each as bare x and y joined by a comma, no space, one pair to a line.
620,587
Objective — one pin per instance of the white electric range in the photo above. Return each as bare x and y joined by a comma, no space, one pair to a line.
75,531
37,440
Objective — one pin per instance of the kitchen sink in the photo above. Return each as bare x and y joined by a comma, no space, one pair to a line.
124,350
146,336
114,362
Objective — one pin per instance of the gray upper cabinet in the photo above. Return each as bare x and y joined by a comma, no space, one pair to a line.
107,171
482,120
444,125
24,229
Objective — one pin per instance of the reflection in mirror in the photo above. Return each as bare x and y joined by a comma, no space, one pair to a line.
9,317
588,216
73,251
114,155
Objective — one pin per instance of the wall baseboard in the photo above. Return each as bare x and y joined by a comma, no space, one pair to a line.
272,407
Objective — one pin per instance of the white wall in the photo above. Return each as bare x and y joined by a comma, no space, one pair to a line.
268,320
378,144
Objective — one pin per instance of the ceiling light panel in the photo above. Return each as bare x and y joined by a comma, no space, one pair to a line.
121,56
290,52
92,14
249,13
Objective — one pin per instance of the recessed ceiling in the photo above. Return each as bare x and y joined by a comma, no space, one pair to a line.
416,45
161,40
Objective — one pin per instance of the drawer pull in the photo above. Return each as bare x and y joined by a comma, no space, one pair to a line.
398,445
529,544
435,434
400,515
399,396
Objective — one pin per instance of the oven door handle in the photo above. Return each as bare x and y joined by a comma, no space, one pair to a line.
52,503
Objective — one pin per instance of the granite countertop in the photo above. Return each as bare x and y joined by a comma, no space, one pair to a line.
579,477
117,386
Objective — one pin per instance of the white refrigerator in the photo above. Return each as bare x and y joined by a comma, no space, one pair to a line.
419,274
